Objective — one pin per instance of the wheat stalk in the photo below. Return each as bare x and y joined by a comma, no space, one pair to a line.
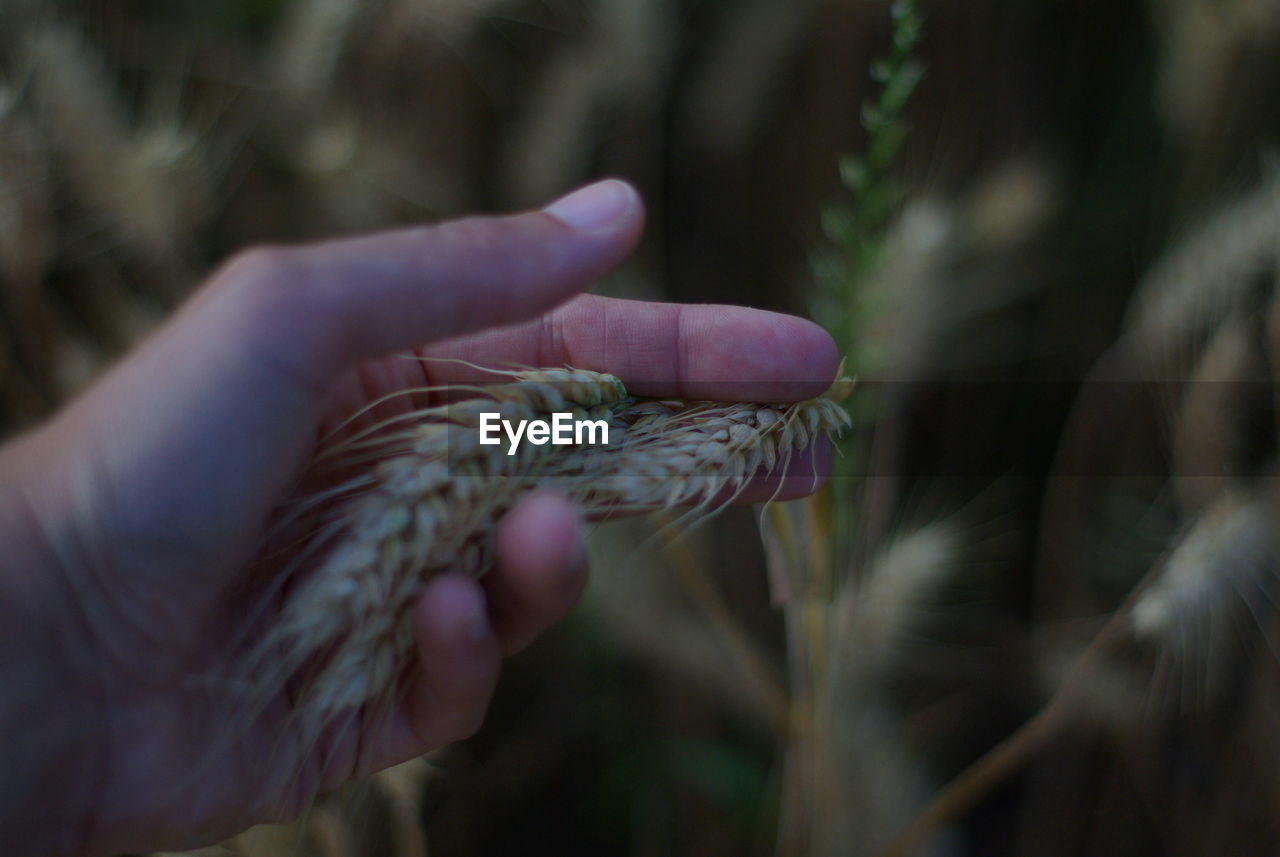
1201,280
426,497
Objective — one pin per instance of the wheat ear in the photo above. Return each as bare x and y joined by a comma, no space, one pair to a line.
421,496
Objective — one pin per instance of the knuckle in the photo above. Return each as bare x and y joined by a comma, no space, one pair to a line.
261,265
267,288
266,282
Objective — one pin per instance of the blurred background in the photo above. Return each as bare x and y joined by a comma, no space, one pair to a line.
1036,611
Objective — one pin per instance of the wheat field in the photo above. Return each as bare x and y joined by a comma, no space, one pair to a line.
1035,612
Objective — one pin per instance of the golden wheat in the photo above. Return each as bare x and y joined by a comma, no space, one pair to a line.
426,497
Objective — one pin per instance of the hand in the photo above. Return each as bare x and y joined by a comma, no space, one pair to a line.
129,518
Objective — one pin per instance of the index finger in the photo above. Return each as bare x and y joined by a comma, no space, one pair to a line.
684,351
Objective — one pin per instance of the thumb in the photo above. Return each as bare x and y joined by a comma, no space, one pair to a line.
201,428
315,310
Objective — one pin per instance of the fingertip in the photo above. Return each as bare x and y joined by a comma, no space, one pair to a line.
809,354
824,354
605,220
603,205
812,466
736,354
458,662
541,570
451,610
542,533
806,471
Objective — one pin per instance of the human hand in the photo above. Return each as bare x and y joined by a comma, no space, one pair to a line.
133,516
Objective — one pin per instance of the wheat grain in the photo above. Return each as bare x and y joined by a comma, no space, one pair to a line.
1200,64
1211,604
28,236
877,611
310,46
623,60
26,200
450,21
1210,436
151,188
426,499
1220,559
1201,280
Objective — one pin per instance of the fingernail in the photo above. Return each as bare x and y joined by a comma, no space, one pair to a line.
595,206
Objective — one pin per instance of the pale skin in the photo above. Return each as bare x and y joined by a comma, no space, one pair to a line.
128,518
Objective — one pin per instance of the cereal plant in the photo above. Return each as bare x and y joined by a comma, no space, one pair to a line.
1034,610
